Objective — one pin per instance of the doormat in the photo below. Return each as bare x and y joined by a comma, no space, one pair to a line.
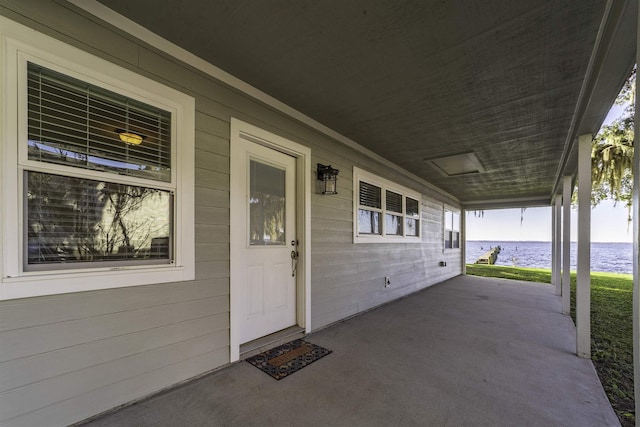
288,358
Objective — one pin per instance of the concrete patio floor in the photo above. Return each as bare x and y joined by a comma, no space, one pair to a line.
467,352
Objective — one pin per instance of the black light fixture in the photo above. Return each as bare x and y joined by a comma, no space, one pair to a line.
329,178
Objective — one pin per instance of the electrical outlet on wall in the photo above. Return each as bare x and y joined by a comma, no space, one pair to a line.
387,281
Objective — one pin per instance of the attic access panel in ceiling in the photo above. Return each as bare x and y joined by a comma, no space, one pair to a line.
459,164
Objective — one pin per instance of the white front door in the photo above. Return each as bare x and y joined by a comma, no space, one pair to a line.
266,283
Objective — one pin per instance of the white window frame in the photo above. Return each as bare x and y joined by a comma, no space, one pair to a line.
20,45
384,184
451,210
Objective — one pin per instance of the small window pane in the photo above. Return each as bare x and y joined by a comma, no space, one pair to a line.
455,240
456,221
448,239
368,222
370,195
267,204
412,227
72,220
412,207
393,225
448,220
76,124
394,201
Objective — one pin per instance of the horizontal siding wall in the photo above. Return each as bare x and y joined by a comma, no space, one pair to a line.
64,358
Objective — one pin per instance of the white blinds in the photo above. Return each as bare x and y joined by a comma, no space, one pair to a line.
412,207
370,195
77,124
394,202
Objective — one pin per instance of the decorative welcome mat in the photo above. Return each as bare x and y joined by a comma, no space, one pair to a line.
288,358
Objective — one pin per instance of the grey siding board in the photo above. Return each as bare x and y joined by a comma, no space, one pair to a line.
85,34
211,144
64,358
62,387
211,197
213,180
115,394
56,309
212,162
213,125
211,215
214,233
212,251
26,342
29,370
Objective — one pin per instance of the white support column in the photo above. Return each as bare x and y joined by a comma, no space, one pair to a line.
463,240
567,190
583,283
556,238
636,243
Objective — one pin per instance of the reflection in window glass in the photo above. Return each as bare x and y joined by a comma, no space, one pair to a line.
412,227
73,220
368,222
266,204
456,221
393,225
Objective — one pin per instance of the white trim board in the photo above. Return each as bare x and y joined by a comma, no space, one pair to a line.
136,30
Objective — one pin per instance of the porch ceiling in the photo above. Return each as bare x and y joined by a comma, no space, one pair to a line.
411,80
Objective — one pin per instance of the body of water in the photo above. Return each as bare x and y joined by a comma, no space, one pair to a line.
607,257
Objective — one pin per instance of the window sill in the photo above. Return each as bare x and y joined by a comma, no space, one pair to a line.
385,239
40,283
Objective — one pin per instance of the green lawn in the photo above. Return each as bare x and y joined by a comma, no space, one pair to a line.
611,328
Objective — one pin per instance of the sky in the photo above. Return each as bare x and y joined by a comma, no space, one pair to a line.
608,222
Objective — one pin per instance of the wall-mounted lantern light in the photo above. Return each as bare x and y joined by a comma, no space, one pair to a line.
329,178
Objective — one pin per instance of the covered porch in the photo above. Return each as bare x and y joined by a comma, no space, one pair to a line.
453,107
469,351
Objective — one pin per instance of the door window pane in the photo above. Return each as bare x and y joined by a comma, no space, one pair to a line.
266,204
74,220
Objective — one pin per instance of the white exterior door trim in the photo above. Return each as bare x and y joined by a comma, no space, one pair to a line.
302,154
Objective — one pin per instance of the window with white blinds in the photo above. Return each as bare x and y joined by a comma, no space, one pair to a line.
98,185
72,221
77,124
385,211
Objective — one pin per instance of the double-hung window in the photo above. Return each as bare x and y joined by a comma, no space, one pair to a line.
103,196
384,211
451,229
